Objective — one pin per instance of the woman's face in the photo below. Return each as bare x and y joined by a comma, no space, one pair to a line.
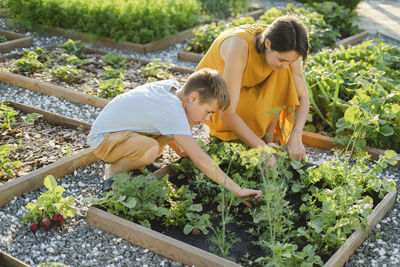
278,60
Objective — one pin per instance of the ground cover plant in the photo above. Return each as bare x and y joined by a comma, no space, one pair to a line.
3,39
28,142
135,21
326,22
356,89
106,76
304,216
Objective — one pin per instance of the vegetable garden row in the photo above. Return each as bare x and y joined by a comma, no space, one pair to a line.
309,215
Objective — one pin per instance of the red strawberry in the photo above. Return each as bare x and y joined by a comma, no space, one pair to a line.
195,232
46,223
34,227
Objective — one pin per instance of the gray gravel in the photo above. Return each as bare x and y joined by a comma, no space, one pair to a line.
82,245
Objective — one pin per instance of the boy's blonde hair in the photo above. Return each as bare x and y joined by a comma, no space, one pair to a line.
210,85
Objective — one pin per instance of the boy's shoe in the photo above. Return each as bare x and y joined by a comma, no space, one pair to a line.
107,184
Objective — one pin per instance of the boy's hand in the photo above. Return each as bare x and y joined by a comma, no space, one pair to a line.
244,192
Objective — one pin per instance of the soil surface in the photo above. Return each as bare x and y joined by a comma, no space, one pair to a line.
93,69
39,144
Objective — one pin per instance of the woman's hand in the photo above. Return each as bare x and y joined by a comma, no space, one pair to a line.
295,147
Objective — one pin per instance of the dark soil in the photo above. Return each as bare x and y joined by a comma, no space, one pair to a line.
39,144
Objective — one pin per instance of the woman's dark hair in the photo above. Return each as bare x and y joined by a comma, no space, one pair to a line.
286,33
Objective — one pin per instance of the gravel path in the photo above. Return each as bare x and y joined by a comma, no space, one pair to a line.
82,245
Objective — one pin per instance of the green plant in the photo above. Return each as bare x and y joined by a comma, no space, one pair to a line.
72,59
29,63
6,165
115,60
134,21
7,117
3,39
67,73
350,4
222,9
111,88
74,48
49,204
156,70
111,73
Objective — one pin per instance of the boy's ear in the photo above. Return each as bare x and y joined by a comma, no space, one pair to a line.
194,97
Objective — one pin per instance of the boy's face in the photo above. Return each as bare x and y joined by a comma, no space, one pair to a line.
198,113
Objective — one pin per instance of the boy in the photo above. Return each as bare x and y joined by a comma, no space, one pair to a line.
131,131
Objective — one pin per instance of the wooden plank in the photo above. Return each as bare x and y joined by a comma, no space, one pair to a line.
190,56
356,239
15,40
52,90
58,169
352,40
34,180
154,241
51,117
7,260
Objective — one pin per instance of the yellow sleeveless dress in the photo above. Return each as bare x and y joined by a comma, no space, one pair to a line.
262,89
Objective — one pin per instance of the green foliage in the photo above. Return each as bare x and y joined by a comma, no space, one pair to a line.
74,48
49,203
206,34
111,73
156,70
339,201
339,17
222,9
3,39
111,88
7,117
67,73
350,4
115,60
72,60
356,89
135,20
6,165
29,63
145,198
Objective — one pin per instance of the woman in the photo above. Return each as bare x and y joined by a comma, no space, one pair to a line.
263,69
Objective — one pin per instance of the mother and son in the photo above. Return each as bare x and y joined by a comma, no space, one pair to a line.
248,71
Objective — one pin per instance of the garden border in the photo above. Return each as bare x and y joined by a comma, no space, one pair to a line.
62,92
190,255
17,40
58,169
351,40
7,260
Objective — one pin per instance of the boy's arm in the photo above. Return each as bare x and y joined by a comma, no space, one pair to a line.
177,149
209,168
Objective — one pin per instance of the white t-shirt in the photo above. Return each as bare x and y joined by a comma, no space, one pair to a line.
150,108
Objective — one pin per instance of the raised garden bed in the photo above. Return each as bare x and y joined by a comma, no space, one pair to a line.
11,40
176,246
7,260
84,87
53,145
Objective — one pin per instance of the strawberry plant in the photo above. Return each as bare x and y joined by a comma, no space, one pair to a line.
7,117
6,165
50,205
3,39
111,87
156,70
115,60
111,73
74,48
29,63
67,73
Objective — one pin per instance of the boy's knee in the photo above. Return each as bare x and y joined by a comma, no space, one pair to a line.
150,155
